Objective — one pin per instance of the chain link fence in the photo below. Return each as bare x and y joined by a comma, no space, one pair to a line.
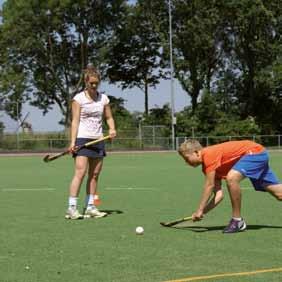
140,138
46,142
269,141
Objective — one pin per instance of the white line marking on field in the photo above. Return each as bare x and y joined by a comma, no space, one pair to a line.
131,188
27,189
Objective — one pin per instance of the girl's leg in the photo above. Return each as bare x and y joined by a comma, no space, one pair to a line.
81,164
95,167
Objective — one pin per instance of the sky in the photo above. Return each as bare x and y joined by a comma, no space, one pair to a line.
134,101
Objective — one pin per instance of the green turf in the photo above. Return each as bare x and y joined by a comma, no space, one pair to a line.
153,187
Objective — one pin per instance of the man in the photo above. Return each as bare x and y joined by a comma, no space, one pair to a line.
232,161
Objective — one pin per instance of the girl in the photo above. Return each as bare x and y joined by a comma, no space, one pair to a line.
89,107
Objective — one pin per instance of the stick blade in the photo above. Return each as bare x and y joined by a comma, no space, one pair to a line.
49,158
46,159
167,224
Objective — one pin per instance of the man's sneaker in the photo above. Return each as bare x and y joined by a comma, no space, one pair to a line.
235,226
94,212
73,213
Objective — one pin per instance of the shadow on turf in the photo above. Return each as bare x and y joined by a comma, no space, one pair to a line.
109,212
220,228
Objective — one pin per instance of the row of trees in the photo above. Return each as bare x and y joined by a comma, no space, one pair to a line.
227,57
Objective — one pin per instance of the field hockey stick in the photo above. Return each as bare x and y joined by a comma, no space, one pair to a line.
174,222
49,158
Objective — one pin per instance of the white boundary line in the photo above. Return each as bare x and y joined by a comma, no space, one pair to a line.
131,188
27,189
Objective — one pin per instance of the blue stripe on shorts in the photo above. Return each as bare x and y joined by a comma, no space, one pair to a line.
94,151
256,168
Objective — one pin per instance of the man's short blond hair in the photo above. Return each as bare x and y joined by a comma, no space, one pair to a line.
189,146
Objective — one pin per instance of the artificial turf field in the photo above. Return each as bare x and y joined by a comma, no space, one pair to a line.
39,245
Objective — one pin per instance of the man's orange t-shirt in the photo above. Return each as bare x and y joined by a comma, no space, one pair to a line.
221,157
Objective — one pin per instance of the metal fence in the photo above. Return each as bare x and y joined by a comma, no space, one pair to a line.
269,141
19,143
59,141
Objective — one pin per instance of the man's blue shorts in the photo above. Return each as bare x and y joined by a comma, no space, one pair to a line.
256,168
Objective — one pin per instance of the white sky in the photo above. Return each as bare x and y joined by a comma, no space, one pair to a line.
134,101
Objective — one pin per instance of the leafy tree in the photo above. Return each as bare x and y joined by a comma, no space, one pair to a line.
188,123
12,81
45,45
251,35
2,127
136,51
196,35
209,119
235,127
123,118
227,57
160,116
224,92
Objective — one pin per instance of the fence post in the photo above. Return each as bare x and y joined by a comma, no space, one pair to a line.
140,134
154,136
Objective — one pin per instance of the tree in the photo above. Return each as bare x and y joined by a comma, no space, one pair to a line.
123,118
208,113
12,81
45,45
210,119
2,127
136,51
187,122
227,126
252,36
196,34
162,117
